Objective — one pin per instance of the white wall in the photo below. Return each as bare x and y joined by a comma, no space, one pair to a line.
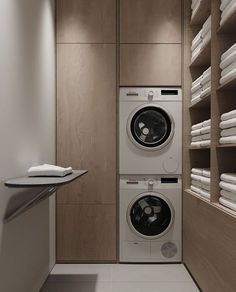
27,134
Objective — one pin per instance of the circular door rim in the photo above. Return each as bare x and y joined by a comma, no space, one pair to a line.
154,194
145,147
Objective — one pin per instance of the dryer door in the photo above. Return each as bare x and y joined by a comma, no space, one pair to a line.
150,127
150,215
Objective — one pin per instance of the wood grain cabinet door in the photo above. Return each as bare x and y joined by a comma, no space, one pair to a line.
150,21
86,21
150,64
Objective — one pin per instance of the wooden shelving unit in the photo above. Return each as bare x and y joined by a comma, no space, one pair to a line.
219,158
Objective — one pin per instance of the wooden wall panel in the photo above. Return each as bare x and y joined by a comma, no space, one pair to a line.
152,21
90,21
150,64
86,233
86,127
209,247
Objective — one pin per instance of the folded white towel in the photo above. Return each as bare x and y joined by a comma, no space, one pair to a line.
228,123
196,87
224,3
228,132
206,136
228,69
206,123
196,99
195,189
231,75
196,177
207,23
228,140
201,171
207,72
197,138
229,10
206,85
196,81
196,41
202,179
206,39
205,130
48,170
197,126
228,60
196,52
197,171
205,79
206,187
196,93
228,52
196,132
205,92
228,187
228,195
228,115
196,183
195,144
206,172
205,143
205,194
228,177
228,203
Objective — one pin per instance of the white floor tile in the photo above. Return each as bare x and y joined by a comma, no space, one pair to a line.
77,287
154,287
150,273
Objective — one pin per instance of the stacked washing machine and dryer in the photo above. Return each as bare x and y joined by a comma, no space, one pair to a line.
150,164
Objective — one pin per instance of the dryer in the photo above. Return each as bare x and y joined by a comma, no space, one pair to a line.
150,219
150,130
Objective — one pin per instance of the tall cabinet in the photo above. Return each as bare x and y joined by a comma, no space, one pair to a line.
209,229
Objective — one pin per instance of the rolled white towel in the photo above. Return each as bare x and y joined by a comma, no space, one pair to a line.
228,69
228,115
228,140
196,144
197,171
228,132
196,132
228,177
228,52
197,126
205,130
228,187
228,203
195,189
49,170
228,60
229,10
205,194
205,143
228,123
197,138
206,123
224,4
206,137
228,195
231,75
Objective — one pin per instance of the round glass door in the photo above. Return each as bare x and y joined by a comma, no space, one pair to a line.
150,216
150,127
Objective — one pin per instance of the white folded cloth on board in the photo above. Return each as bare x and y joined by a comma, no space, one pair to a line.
223,5
228,195
197,138
198,184
195,189
228,123
49,170
231,58
205,194
197,126
196,132
228,132
228,203
228,177
228,140
228,52
228,187
205,143
196,144
228,77
201,171
206,136
196,41
205,130
229,10
228,115
228,69
200,178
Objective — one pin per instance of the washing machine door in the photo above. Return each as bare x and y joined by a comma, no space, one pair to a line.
150,215
150,127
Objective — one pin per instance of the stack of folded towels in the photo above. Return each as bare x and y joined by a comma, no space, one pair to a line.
195,5
228,128
228,65
201,39
201,86
201,180
228,7
228,190
49,170
201,134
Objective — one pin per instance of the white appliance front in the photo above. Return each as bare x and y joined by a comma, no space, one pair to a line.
150,131
150,219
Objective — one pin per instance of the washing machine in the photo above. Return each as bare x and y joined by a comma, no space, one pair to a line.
150,130
150,219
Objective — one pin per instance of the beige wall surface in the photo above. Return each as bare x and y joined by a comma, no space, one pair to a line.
27,134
